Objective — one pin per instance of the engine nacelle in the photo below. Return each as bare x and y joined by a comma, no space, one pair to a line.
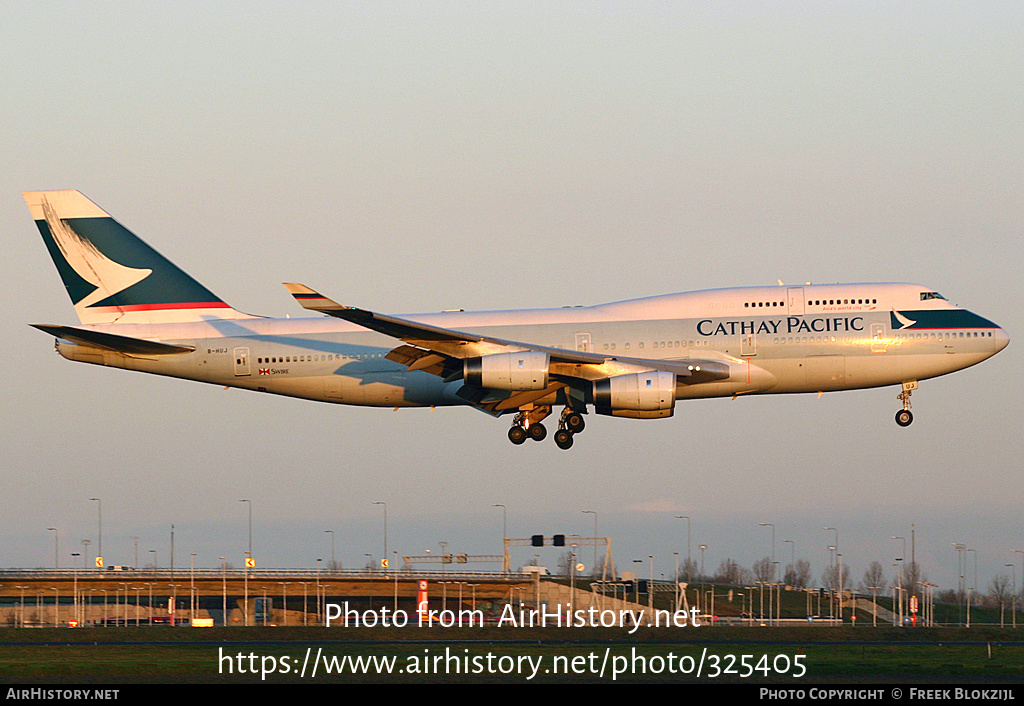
522,370
639,395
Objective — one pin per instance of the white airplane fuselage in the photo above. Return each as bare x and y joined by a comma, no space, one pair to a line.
813,338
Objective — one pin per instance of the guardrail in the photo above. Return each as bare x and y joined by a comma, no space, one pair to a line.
13,574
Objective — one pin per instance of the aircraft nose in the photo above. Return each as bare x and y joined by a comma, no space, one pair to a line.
1002,339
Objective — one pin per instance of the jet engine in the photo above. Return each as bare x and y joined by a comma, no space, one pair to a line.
638,395
520,370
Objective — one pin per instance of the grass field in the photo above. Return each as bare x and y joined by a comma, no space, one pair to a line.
487,655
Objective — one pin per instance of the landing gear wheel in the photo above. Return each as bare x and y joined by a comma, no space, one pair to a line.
574,422
537,431
517,434
563,439
904,417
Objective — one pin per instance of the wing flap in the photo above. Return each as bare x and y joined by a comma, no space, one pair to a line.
419,359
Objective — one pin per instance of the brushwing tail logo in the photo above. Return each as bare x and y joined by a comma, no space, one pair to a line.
903,321
94,267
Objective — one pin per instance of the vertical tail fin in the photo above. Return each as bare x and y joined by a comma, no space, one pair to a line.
111,275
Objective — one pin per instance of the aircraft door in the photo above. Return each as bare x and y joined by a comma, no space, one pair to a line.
878,343
583,342
795,295
748,345
241,362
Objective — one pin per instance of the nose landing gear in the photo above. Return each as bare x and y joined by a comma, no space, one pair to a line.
904,417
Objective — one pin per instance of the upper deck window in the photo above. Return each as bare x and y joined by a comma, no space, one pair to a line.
925,296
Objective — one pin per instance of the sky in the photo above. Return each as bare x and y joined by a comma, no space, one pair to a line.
413,157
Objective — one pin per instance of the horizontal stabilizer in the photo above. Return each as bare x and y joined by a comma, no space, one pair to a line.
113,342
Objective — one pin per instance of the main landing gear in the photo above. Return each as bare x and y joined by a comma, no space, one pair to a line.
519,433
904,417
527,425
571,423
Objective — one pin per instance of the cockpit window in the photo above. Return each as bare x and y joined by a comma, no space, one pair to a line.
925,296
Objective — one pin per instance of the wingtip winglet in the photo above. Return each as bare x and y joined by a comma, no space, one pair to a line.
311,299
297,288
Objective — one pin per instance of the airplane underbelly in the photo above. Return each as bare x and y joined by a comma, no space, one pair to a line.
387,389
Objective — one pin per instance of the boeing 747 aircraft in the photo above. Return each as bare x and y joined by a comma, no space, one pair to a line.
625,359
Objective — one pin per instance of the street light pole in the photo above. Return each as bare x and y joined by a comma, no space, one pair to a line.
333,564
689,559
1021,552
592,512
224,591
249,502
675,586
1013,603
902,558
700,597
505,568
769,524
380,502
972,589
834,548
56,560
99,542
960,570
839,559
650,585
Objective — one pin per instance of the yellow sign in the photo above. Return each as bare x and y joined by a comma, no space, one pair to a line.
99,562
384,563
250,563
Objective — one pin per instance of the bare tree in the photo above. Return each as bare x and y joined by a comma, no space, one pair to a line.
999,594
763,569
830,577
728,572
687,570
565,563
798,575
874,577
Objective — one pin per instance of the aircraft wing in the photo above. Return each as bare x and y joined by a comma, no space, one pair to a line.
441,351
447,342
